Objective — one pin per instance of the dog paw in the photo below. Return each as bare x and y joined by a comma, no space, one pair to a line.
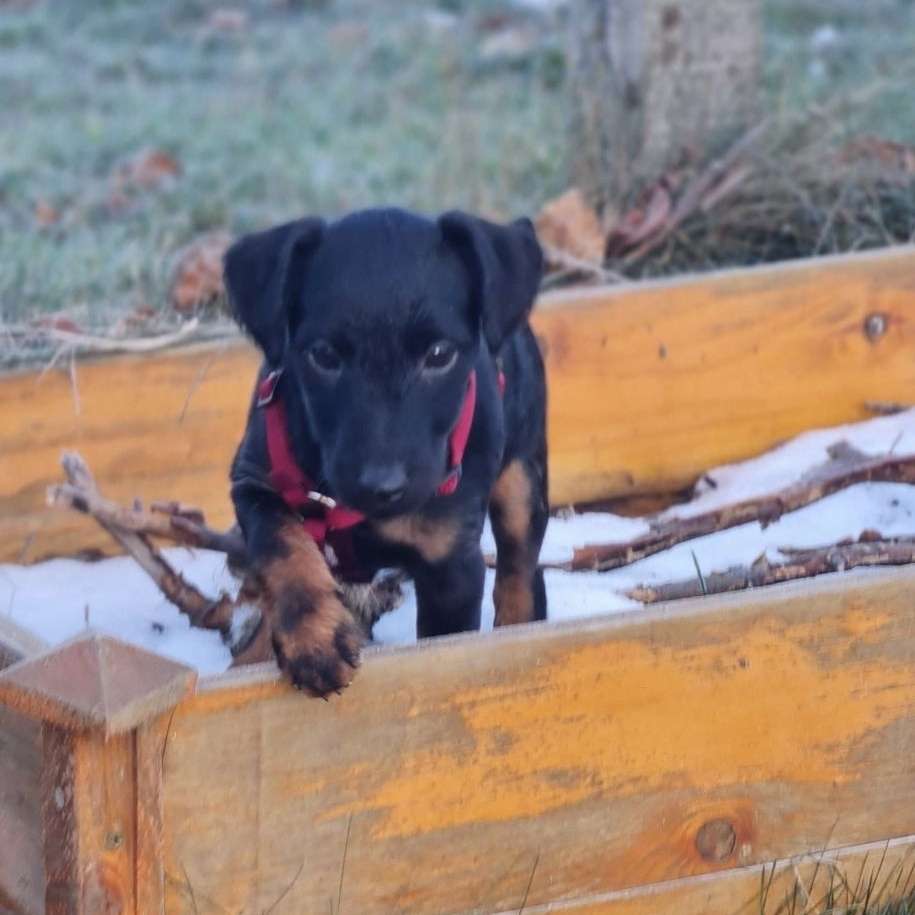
317,648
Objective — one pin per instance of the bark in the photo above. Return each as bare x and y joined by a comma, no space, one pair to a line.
654,82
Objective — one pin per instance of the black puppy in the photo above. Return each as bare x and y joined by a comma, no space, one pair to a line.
402,395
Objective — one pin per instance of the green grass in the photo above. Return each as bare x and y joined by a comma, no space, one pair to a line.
305,110
318,107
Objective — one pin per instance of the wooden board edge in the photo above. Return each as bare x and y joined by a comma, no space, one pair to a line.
243,684
738,891
761,274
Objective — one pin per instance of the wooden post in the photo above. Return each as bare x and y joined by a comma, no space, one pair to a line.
104,708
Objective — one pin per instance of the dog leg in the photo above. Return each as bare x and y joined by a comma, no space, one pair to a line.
314,636
449,594
518,510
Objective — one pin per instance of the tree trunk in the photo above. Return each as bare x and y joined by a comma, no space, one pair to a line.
656,82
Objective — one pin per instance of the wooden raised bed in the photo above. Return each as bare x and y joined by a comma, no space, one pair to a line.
657,761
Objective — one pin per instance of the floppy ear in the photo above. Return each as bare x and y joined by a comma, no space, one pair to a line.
504,263
263,272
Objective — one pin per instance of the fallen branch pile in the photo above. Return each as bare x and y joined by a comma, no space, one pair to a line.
845,468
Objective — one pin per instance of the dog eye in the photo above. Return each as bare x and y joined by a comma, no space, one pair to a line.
324,357
439,357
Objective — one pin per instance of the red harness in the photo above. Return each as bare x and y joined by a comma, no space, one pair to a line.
298,490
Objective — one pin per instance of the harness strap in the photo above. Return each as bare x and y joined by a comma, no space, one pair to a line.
297,489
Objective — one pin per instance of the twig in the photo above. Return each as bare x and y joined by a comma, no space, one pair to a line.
167,520
530,883
195,384
577,265
801,563
285,892
698,189
74,385
82,494
349,826
93,343
845,468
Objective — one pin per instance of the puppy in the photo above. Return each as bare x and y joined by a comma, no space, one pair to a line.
402,396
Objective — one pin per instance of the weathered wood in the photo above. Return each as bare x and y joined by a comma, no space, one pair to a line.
886,866
89,822
871,550
614,753
95,682
21,863
643,380
94,773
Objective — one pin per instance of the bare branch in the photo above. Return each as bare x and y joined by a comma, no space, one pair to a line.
801,563
845,468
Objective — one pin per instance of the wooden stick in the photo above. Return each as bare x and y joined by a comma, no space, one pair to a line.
166,520
126,526
846,468
801,563
134,527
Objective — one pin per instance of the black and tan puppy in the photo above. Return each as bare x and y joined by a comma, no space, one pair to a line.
402,397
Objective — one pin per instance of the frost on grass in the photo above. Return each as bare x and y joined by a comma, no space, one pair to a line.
56,599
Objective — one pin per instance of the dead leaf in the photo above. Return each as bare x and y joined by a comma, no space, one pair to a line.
146,170
46,215
58,321
885,154
228,19
643,221
197,275
570,224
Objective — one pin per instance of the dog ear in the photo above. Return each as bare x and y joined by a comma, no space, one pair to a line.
505,264
263,272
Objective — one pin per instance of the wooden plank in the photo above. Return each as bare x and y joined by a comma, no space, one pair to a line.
655,383
616,753
809,880
22,859
650,384
90,824
21,864
162,426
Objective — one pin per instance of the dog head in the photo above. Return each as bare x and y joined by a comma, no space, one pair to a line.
380,318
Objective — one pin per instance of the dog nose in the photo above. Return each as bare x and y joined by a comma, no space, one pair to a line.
385,484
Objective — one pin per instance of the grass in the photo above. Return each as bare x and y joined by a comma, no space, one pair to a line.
322,106
878,889
308,108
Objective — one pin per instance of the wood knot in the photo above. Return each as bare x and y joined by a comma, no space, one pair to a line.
715,840
875,326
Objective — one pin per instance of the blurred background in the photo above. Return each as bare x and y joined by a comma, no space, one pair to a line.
647,137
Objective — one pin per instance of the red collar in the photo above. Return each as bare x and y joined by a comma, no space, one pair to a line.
298,490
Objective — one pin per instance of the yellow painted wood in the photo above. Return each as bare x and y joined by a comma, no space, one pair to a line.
600,751
650,385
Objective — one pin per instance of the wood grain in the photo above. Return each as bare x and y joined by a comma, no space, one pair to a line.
601,751
650,385
89,822
886,866
21,862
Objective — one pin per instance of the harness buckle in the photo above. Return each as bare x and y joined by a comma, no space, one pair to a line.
319,497
267,388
